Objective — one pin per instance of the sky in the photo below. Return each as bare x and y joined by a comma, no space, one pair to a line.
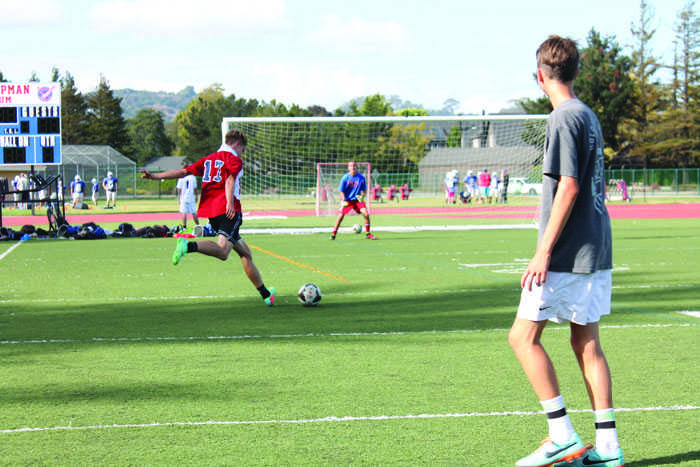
313,52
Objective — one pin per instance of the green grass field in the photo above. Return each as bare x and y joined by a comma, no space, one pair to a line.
111,355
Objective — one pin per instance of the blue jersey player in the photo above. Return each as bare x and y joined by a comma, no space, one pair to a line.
353,187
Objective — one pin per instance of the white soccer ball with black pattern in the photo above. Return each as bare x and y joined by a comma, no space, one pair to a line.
309,295
357,228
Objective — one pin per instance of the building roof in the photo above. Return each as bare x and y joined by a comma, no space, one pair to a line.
161,164
101,156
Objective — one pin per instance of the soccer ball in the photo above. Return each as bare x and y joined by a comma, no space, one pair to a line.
357,228
309,295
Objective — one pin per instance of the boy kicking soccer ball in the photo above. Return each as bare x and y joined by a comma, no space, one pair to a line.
220,202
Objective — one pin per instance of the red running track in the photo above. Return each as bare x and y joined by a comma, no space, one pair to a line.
617,211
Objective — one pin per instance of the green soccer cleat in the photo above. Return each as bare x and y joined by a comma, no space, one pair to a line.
180,250
550,453
591,457
269,301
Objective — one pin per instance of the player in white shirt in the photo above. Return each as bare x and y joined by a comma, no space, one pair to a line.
187,194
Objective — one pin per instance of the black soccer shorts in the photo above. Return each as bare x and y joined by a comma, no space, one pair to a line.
222,225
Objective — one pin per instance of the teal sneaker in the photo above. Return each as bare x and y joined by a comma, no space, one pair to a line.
550,453
269,301
180,250
592,457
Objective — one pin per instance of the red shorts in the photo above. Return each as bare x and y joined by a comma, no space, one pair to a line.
353,205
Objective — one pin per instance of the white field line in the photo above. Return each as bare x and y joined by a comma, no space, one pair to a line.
331,419
694,314
11,301
416,228
309,335
9,250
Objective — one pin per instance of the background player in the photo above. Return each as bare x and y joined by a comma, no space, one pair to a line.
353,187
187,195
111,184
220,202
95,191
77,191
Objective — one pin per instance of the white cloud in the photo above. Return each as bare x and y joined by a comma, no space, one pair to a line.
305,85
359,35
24,13
184,18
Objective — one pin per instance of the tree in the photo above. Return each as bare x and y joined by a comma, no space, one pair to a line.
450,106
105,122
372,106
540,106
403,149
604,84
683,120
73,112
148,136
198,126
647,92
688,38
318,111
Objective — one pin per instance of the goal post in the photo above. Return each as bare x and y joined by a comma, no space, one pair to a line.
328,177
283,153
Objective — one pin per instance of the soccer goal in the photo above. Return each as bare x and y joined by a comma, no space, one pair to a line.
328,176
283,154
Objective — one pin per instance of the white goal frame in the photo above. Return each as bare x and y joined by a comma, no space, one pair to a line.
331,198
283,152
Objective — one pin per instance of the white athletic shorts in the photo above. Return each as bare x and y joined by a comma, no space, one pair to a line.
78,197
188,206
577,298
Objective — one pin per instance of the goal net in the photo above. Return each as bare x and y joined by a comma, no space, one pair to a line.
282,154
328,176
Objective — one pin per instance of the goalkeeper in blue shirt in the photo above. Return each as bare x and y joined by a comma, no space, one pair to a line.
353,188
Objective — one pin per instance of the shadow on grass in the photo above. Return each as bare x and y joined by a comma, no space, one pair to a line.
338,313
126,392
666,460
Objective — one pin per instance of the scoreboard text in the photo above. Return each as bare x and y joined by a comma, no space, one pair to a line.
30,123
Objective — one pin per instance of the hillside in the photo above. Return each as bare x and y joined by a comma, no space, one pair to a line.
170,103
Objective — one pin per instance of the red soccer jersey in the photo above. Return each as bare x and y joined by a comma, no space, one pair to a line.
214,170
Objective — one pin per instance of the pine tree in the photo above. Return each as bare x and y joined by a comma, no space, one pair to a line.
646,101
73,112
105,122
604,84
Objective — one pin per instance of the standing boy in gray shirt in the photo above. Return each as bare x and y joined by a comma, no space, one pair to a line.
569,277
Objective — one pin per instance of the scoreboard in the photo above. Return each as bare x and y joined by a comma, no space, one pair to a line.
30,123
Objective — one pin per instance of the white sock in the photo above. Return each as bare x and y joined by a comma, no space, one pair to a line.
560,428
606,442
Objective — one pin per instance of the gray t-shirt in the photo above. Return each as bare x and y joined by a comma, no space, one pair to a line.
574,148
